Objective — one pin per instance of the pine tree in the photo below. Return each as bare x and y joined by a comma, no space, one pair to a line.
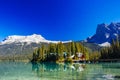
117,42
52,48
42,52
72,48
68,49
78,47
77,50
112,52
35,55
60,49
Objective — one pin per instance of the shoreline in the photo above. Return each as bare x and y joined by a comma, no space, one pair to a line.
100,60
73,61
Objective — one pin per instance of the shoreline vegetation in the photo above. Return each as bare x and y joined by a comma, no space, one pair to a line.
16,58
76,52
72,52
60,52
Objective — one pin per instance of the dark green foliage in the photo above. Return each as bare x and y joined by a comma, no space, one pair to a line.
52,48
112,52
72,48
68,49
58,52
94,56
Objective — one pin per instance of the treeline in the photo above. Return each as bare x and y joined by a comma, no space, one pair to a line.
112,52
59,52
69,52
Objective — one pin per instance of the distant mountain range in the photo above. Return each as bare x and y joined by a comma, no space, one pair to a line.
105,34
22,47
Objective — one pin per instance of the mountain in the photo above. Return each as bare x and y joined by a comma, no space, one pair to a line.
27,39
22,47
105,34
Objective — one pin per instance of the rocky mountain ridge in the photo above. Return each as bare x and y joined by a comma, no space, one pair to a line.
105,34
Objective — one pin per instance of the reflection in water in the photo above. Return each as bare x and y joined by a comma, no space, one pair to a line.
53,71
56,67
77,71
58,71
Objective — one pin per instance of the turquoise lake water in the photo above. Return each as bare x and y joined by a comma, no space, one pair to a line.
53,71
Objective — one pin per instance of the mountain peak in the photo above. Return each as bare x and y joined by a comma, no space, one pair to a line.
105,33
34,38
29,39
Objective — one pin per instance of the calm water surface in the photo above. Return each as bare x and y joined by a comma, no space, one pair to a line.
52,71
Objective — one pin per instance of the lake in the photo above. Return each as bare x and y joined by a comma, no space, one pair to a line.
53,71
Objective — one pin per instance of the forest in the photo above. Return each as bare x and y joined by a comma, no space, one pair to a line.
111,52
63,52
68,52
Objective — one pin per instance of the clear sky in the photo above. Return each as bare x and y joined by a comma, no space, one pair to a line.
56,19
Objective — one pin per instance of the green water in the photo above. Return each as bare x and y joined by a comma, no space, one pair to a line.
52,71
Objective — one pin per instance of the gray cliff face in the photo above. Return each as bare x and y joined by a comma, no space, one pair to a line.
105,33
18,51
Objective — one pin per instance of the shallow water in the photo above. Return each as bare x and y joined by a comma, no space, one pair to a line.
53,71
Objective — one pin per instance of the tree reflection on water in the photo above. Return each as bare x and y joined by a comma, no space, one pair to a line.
57,71
76,71
52,67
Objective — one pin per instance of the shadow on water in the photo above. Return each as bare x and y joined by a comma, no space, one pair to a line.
111,65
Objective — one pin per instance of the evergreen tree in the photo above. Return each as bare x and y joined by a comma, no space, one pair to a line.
112,52
60,49
52,48
53,52
77,47
35,55
69,49
72,48
42,52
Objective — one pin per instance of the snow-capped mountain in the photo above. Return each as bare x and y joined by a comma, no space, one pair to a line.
27,39
105,34
22,47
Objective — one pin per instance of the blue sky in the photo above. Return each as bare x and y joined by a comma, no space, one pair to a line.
56,19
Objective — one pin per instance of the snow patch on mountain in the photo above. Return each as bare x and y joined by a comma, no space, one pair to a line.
28,39
107,35
105,44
